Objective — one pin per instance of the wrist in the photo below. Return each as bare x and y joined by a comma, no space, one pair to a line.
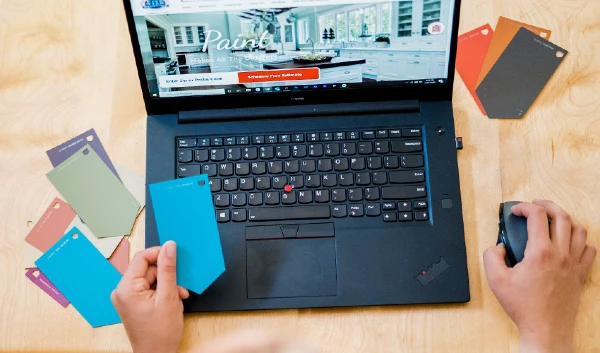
545,342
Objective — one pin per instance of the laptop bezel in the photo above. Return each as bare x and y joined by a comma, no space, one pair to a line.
424,93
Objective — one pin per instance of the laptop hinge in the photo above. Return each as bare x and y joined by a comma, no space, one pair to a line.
358,108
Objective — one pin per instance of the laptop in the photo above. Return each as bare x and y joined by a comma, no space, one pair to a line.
327,131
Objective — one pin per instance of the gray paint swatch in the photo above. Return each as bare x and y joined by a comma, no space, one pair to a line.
519,75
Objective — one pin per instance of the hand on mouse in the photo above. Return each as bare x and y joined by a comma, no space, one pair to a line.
541,294
149,301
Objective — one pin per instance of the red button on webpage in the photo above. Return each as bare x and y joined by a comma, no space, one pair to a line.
279,75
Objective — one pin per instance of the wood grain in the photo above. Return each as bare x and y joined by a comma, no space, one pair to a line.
66,66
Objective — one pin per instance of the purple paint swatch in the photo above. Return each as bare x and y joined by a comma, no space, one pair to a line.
44,283
65,150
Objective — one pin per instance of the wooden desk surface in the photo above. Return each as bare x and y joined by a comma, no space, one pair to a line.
67,66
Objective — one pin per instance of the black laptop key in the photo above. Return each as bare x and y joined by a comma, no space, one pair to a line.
305,196
188,170
267,152
243,140
382,147
308,166
365,148
275,167
407,146
338,195
247,184
405,216
321,196
282,152
390,217
420,205
372,194
229,141
210,169
357,163
216,141
326,136
258,140
315,150
185,156
296,181
389,206
412,132
421,216
299,151
324,165
285,139
395,133
271,139
217,154
381,134
380,178
412,161
258,214
263,183
215,184
346,179
339,211
357,210
230,184
373,209
368,135
349,148
355,194
391,162
332,149
339,136
404,206
288,198
255,199
406,177
403,192
363,178
223,216
312,137
187,143
234,154
313,181
259,168
250,153
272,198
242,169
204,142
279,182
292,167
297,137
353,135
374,163
329,180
221,200
341,164
238,199
201,155
226,169
238,215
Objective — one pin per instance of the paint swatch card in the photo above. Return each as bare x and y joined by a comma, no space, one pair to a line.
52,226
106,246
135,183
65,150
199,254
120,257
95,193
472,48
37,277
506,29
83,276
519,75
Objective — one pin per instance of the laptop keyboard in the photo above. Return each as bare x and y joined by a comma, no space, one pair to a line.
312,175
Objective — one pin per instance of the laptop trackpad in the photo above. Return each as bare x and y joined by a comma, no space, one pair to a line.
286,268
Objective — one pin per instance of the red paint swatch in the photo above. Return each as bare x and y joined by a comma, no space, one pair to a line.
51,226
472,49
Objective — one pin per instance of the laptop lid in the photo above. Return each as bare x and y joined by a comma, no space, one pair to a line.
211,54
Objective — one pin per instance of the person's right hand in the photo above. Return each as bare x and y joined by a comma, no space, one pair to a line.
541,294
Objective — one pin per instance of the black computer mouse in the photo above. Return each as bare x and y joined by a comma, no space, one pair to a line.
512,233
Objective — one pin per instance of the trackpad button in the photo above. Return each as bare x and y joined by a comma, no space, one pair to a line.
287,268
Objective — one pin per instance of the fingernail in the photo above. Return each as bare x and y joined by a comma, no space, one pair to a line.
171,248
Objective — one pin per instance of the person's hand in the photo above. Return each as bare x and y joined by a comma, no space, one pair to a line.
149,301
541,294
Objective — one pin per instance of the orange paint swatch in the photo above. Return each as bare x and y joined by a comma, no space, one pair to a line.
506,29
472,49
51,226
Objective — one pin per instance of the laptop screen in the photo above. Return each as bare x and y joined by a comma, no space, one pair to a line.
244,47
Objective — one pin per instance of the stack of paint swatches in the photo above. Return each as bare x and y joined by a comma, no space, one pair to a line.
78,249
505,70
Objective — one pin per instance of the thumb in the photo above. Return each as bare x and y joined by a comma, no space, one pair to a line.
166,278
495,267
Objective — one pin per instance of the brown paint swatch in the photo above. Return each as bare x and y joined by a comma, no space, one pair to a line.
51,226
506,29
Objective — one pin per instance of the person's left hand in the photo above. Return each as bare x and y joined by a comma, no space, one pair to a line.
149,301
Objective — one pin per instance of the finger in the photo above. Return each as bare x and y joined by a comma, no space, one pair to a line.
578,240
495,268
151,274
166,288
537,225
560,227
587,259
140,263
183,293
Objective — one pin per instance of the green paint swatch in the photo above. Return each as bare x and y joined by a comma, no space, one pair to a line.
95,193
